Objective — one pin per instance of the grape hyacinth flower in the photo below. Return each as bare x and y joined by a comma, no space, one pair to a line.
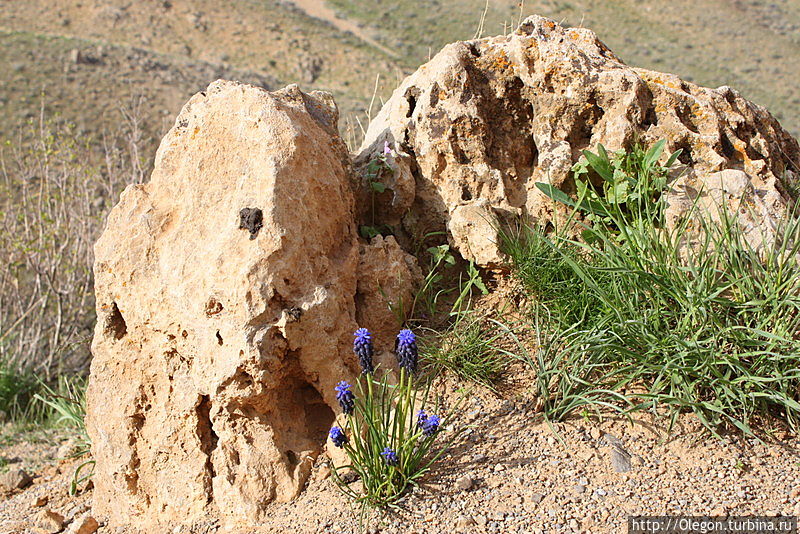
421,418
405,348
345,397
431,425
363,348
338,437
389,456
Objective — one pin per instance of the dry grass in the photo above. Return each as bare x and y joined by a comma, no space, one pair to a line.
55,191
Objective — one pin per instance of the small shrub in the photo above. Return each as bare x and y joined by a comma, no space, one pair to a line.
375,171
390,431
17,388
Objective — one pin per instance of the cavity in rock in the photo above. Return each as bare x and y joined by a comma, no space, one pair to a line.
251,219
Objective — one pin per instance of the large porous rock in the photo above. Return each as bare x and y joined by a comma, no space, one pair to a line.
227,292
477,126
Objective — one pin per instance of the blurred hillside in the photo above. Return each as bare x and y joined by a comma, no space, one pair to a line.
90,57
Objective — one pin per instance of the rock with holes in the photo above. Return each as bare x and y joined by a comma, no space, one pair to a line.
484,120
386,278
227,291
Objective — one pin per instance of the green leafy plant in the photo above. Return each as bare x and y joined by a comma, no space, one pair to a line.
375,170
632,182
67,405
473,281
637,318
391,430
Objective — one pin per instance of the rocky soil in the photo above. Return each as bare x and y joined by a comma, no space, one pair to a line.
509,473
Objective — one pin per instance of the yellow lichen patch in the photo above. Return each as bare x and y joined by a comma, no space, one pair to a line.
583,38
697,111
741,149
196,131
497,61
648,79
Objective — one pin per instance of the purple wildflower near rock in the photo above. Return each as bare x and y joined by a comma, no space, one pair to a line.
405,348
338,437
345,397
387,149
431,425
389,456
363,348
421,418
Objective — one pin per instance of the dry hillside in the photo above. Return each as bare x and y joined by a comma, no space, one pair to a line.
165,50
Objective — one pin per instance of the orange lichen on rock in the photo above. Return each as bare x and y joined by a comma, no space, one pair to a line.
561,91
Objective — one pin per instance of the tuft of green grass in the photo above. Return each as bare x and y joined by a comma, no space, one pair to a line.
473,348
65,403
635,317
65,406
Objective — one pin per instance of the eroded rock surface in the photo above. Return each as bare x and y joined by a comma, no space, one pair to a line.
484,120
227,293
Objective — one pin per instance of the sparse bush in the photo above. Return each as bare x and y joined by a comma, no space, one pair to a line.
56,188
390,429
17,388
630,317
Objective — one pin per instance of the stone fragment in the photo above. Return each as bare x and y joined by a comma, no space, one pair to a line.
49,521
15,479
85,524
620,460
464,483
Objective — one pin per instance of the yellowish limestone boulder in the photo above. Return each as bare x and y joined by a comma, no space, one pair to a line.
484,120
228,290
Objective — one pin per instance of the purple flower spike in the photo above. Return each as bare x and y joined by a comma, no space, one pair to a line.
405,348
338,437
421,418
431,425
363,348
345,397
389,456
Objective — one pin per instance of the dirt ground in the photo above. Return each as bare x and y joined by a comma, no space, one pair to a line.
509,472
